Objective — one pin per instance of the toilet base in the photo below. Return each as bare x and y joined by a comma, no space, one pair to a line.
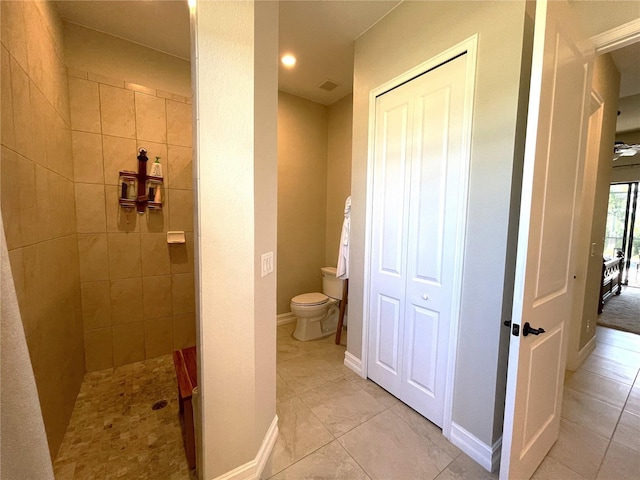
312,329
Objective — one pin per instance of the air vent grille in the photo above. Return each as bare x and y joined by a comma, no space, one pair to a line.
328,85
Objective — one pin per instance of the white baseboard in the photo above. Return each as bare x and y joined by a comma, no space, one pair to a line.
353,363
586,351
285,318
253,469
487,456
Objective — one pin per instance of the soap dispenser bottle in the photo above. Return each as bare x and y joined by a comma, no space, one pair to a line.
156,168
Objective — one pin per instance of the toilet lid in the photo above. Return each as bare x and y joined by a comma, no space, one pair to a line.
314,298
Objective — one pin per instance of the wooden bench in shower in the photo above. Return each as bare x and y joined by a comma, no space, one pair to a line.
185,363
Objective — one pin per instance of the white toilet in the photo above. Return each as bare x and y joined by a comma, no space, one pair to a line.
317,313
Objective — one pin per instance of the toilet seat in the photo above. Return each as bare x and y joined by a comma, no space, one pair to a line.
310,299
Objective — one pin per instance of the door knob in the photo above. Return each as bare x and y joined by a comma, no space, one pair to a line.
425,296
527,329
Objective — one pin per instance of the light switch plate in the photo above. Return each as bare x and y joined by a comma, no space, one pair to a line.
266,264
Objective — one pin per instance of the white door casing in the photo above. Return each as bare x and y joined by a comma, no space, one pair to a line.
419,185
553,168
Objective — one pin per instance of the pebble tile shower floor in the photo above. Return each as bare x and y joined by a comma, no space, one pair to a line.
114,431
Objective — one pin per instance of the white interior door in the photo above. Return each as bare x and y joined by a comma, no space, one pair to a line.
554,151
417,207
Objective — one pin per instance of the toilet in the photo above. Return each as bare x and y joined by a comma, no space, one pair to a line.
317,313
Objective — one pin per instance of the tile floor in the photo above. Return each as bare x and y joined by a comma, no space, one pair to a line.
335,425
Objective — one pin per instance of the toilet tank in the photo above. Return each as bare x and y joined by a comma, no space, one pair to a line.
331,286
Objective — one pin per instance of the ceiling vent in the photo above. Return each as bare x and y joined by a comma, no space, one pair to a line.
328,85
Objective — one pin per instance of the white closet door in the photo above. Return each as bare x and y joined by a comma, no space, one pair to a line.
416,215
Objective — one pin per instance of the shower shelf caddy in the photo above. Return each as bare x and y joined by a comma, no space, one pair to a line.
136,189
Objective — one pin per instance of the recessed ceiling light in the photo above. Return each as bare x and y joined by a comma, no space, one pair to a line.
192,4
288,60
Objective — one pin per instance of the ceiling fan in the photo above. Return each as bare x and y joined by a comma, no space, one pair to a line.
621,149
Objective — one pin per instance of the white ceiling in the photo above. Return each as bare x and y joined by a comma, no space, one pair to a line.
319,33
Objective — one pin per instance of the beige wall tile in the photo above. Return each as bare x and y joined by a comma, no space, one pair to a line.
181,210
124,255
60,157
87,157
155,254
44,125
184,331
7,136
180,171
12,31
119,219
22,120
96,77
179,121
154,150
10,194
126,301
151,121
117,112
158,337
183,293
140,88
17,271
96,304
64,207
119,154
94,257
44,205
157,296
171,96
91,216
84,105
128,343
157,221
182,255
98,350
73,72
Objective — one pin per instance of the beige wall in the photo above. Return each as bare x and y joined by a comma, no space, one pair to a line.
137,291
411,34
38,205
302,196
606,82
92,51
340,122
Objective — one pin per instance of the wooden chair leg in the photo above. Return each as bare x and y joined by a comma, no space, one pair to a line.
343,307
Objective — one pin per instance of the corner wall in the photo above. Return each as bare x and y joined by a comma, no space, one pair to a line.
38,205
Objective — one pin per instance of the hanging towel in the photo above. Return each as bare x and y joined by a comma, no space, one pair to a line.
24,453
343,253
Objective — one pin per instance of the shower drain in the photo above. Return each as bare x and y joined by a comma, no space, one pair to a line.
159,404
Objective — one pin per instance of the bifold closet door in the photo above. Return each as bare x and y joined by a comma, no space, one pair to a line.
415,223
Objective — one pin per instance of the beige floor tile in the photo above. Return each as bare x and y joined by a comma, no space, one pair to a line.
373,389
589,412
328,462
579,448
617,354
597,386
610,369
633,402
425,428
551,469
628,432
306,372
300,433
341,405
283,392
618,338
620,463
388,449
465,468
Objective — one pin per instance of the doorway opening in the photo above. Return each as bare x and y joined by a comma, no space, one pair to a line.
621,226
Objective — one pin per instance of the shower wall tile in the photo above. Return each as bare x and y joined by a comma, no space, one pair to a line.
95,77
151,118
140,88
98,349
94,257
84,105
124,256
183,293
10,191
157,296
96,304
119,219
181,210
155,254
180,167
126,301
91,216
13,27
22,120
119,154
158,335
128,343
42,117
179,128
117,112
157,221
6,100
182,255
87,153
184,331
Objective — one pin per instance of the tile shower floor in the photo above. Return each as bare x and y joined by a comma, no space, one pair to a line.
335,425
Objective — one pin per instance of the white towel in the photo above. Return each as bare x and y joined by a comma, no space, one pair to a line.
24,453
343,253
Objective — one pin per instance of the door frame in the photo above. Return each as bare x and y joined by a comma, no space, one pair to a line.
470,47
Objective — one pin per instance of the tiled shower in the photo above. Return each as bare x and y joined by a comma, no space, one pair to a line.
98,286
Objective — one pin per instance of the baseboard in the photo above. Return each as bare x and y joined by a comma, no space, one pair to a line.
353,363
486,456
253,469
285,318
586,351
